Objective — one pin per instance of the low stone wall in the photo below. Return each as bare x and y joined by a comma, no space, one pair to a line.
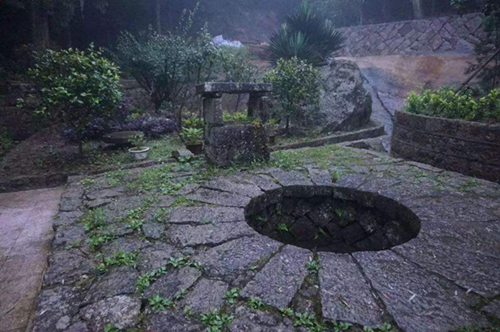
454,34
469,148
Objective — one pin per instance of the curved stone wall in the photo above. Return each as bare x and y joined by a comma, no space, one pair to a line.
453,34
469,148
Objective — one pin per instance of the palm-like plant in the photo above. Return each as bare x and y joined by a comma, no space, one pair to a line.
305,35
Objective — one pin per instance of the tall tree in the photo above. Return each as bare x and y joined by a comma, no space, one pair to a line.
417,9
39,24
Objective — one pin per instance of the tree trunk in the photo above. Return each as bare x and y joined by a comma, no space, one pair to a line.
417,9
158,15
39,25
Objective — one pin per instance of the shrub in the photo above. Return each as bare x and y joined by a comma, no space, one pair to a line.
307,36
448,104
167,66
296,88
6,143
75,87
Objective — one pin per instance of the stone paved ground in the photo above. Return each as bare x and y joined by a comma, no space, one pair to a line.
158,249
25,235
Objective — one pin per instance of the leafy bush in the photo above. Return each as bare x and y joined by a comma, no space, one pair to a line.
448,104
307,36
76,86
296,88
192,136
167,66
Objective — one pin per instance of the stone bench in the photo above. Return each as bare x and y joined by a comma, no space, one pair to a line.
227,144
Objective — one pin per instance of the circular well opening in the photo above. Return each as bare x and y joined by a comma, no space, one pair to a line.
332,219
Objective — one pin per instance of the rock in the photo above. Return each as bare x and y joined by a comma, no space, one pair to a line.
126,245
219,198
153,230
182,154
120,311
173,283
171,321
69,235
345,105
279,280
416,299
55,307
206,214
291,178
155,257
66,267
234,185
341,283
119,281
210,234
121,137
246,320
234,257
206,295
493,309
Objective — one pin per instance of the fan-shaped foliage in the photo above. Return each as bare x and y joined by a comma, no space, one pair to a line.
305,35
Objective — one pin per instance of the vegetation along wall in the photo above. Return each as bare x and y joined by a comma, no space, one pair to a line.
469,148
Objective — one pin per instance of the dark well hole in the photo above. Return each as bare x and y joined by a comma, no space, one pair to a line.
332,219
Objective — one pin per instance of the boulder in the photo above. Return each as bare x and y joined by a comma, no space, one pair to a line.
345,105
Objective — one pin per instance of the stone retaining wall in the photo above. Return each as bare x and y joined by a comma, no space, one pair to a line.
454,34
469,148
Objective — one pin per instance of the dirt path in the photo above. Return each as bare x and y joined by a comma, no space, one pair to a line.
25,236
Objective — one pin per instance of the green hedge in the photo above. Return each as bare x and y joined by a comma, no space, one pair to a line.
446,103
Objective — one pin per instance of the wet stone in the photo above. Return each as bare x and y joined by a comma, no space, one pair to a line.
119,281
320,177
292,178
173,283
153,230
493,309
234,257
246,320
341,282
417,300
174,320
67,267
264,182
219,198
120,311
234,185
279,280
186,235
205,214
155,257
55,307
206,295
67,218
125,245
69,235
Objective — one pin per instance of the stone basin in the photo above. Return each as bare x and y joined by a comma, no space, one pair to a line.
121,137
331,219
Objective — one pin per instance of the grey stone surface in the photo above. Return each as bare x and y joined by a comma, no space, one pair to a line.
173,283
279,280
237,256
56,307
320,177
345,105
171,321
417,300
206,295
155,257
247,320
290,178
120,311
182,154
68,235
153,230
206,214
264,182
234,185
230,87
493,309
345,294
219,198
124,244
67,267
210,234
118,281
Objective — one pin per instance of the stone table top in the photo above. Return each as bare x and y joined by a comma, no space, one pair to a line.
191,246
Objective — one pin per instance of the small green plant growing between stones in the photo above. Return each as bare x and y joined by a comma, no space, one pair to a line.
215,321
188,312
469,185
119,259
287,312
96,241
158,303
232,295
87,182
181,295
93,219
341,326
386,327
308,321
255,303
283,228
340,213
145,280
183,261
111,328
314,266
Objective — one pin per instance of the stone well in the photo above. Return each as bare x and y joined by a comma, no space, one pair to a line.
470,148
332,219
228,144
